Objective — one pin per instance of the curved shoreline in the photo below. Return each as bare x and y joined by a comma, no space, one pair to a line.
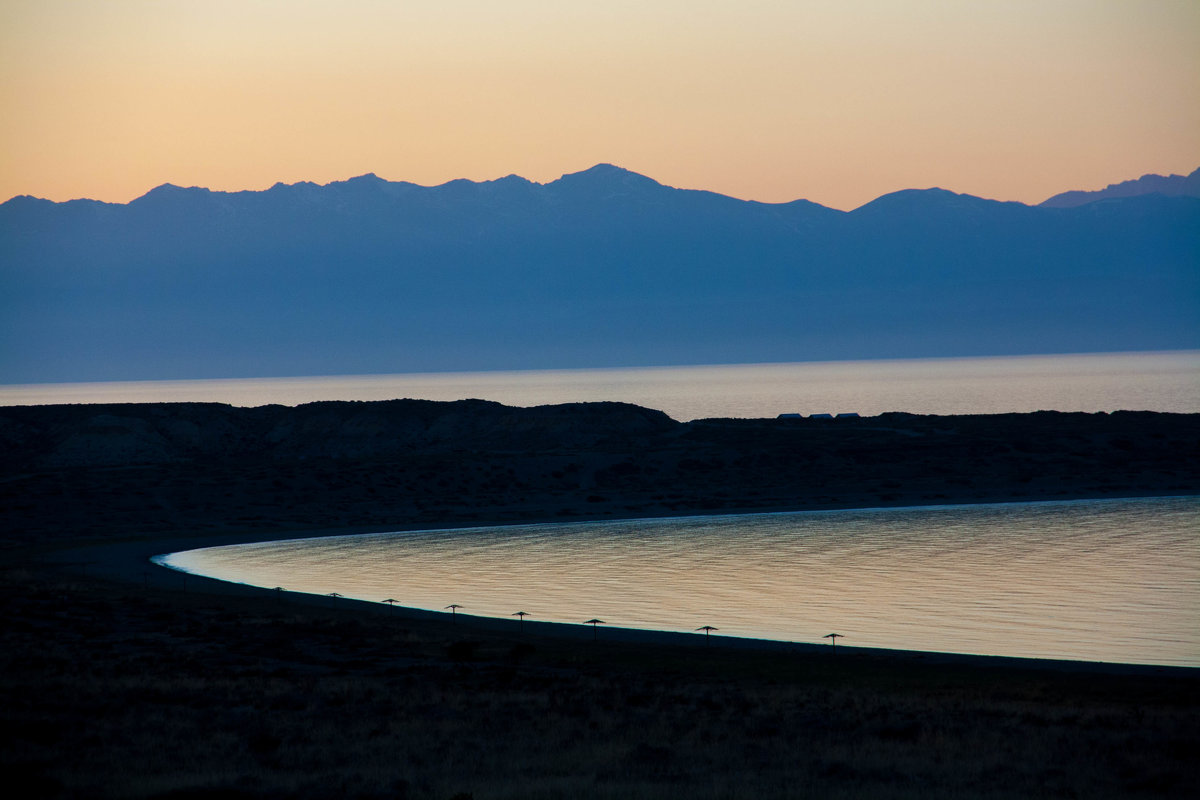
138,681
129,563
121,679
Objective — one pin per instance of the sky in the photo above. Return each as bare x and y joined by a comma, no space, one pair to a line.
769,100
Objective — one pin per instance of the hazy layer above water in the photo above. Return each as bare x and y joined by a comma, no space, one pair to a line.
1096,382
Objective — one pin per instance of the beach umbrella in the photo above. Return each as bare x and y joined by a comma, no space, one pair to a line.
832,637
522,615
707,630
594,623
391,602
454,607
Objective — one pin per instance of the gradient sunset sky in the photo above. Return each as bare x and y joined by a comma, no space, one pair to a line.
833,101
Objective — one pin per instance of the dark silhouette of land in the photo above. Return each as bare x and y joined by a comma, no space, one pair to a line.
84,470
118,681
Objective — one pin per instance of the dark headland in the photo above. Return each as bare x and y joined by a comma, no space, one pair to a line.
124,680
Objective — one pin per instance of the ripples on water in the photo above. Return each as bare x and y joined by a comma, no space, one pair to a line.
1113,580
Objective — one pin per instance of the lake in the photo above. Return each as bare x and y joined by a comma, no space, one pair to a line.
1097,382
1110,580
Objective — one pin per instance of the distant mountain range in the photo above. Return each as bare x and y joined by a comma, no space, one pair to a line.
1169,185
602,267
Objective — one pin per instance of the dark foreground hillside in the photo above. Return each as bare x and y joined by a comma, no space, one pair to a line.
153,691
118,680
78,471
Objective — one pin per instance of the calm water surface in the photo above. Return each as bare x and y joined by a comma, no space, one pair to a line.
1113,580
1098,382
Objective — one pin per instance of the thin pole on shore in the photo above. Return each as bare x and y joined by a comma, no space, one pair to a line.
522,615
594,623
832,637
454,607
707,630
392,602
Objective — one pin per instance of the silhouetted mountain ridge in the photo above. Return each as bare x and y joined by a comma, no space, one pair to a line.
1168,185
600,267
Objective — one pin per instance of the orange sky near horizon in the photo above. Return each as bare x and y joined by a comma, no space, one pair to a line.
836,103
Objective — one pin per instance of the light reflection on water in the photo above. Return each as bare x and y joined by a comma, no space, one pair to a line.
1167,381
1114,580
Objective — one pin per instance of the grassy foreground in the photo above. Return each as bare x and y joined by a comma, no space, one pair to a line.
144,690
